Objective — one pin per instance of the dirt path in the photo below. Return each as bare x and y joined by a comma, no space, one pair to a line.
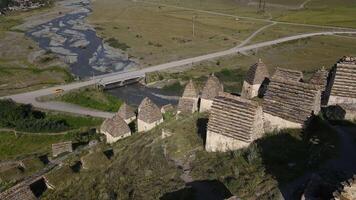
247,18
248,40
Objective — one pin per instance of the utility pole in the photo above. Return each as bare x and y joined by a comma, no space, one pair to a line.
193,21
260,5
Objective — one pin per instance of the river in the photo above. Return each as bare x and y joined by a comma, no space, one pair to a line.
74,40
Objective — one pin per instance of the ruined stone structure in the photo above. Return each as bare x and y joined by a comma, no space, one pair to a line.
289,103
288,74
255,77
348,192
320,78
188,103
61,147
211,89
126,113
234,123
149,115
115,129
167,108
342,83
18,192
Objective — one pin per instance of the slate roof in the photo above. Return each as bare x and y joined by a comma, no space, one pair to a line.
212,88
186,105
233,116
344,84
257,73
291,100
126,112
115,126
148,111
190,90
289,74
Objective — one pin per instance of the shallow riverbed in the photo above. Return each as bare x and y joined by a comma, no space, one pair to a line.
133,95
73,39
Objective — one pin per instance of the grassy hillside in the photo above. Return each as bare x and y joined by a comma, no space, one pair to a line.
145,166
92,98
23,66
158,34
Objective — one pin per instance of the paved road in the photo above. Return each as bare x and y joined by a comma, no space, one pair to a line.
30,97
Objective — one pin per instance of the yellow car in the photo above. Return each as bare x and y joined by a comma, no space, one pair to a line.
57,91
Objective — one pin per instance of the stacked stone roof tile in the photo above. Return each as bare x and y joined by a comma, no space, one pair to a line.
126,112
233,116
257,73
212,88
61,147
288,74
19,192
115,126
190,90
148,111
186,105
344,84
291,100
320,78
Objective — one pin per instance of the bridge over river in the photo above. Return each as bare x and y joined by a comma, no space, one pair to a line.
31,97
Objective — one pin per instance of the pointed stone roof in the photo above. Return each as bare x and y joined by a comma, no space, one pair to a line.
148,111
190,91
234,117
257,73
115,126
126,112
289,74
291,100
319,78
212,88
344,81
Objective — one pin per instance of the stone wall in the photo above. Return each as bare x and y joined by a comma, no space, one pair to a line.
143,126
205,105
110,139
220,143
334,100
272,123
250,91
129,120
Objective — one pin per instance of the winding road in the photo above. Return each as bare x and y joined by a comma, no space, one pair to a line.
31,97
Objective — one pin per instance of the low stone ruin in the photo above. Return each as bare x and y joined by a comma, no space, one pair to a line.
62,147
167,108
211,89
188,103
255,77
342,84
149,115
234,123
20,192
115,129
289,103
